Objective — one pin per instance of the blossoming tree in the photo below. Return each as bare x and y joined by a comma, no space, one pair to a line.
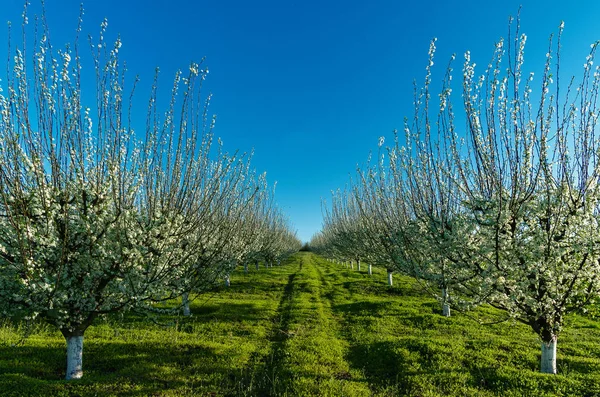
93,219
507,209
531,187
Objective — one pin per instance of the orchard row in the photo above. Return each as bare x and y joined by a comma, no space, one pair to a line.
496,204
98,217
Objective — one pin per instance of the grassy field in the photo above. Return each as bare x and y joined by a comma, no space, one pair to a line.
308,327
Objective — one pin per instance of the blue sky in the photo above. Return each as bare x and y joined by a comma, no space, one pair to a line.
310,86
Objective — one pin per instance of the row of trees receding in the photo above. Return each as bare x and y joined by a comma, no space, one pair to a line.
101,214
498,204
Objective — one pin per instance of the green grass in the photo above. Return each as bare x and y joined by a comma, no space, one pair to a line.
308,327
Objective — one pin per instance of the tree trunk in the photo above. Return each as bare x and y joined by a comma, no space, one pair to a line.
256,265
549,357
227,281
245,268
351,265
185,301
390,279
74,357
358,264
445,305
370,270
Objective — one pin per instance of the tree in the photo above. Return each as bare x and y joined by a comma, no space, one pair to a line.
531,188
524,186
93,219
506,213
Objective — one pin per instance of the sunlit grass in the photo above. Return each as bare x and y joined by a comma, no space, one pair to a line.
307,327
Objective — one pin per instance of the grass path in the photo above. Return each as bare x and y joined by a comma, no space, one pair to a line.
307,355
305,328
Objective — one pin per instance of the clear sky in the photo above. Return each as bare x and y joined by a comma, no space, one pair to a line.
311,85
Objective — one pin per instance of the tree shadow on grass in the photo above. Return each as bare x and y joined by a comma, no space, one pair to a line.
230,312
381,288
379,363
256,285
266,375
127,369
407,367
362,308
413,366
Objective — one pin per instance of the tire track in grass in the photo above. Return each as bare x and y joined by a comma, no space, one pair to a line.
306,354
342,289
315,353
265,371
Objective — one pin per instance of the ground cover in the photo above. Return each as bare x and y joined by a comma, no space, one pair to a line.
307,327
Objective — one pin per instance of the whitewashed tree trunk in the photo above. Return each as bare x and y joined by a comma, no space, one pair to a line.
390,279
351,265
185,301
445,305
370,270
245,268
549,357
227,281
358,264
74,357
